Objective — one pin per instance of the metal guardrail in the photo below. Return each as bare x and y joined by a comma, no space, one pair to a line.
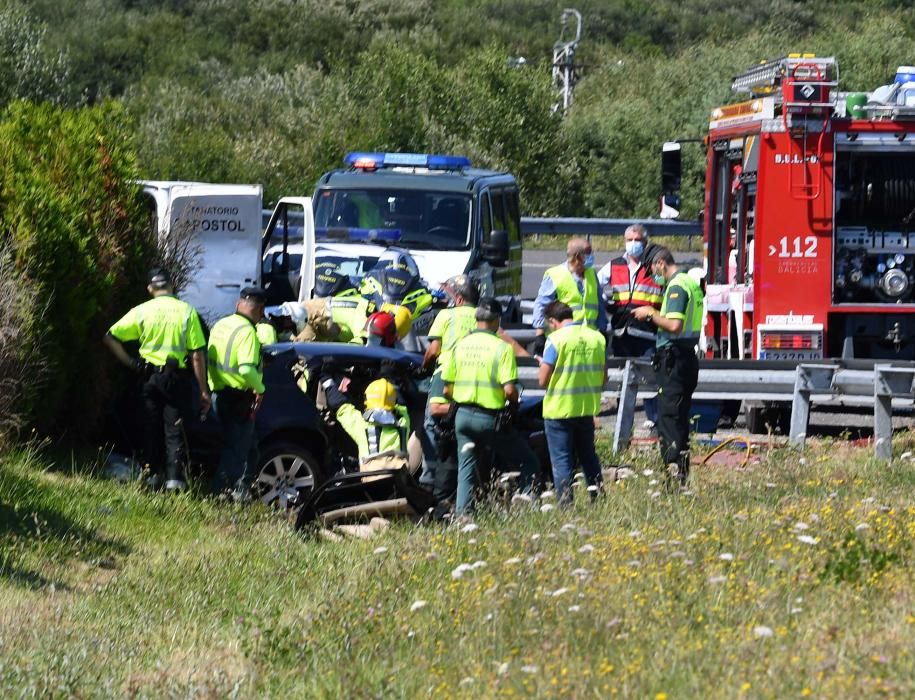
855,383
606,227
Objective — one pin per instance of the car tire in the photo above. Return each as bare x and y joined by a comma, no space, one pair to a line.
287,472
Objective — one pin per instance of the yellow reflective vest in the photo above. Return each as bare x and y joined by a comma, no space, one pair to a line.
579,374
583,308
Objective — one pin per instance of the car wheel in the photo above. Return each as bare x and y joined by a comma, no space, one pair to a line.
288,473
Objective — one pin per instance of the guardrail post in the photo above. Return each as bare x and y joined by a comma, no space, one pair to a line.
800,408
883,415
625,410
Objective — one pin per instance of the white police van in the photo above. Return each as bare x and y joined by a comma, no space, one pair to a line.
450,217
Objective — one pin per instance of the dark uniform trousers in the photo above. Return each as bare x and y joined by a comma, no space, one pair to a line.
166,402
677,372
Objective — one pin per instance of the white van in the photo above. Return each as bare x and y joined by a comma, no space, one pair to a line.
224,226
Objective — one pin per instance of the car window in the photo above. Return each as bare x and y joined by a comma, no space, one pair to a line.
498,210
512,216
485,216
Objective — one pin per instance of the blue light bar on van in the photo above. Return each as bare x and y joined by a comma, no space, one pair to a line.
358,235
373,161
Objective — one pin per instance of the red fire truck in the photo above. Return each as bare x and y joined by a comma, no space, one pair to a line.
809,216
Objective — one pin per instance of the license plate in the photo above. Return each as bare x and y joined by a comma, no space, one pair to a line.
790,355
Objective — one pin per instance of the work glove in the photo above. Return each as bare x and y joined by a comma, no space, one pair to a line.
538,345
335,397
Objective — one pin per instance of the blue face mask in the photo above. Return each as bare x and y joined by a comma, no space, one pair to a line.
659,280
589,260
634,249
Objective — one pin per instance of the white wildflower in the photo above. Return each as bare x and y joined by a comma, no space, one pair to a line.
502,669
513,561
800,525
418,605
530,668
726,556
460,570
470,527
761,632
478,564
586,549
860,527
807,539
547,507
647,472
574,608
380,550
559,591
717,579
547,496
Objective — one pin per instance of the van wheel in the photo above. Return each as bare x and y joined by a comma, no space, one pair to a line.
288,473
761,417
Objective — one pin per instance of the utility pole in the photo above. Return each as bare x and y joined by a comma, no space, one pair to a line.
565,73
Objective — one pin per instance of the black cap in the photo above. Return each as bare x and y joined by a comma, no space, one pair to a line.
489,310
255,294
160,277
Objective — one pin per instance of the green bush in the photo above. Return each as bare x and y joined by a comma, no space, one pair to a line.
73,223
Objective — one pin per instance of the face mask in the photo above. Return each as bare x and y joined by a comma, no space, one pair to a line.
634,249
589,260
659,279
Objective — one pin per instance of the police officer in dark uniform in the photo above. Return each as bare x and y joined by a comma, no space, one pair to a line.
170,334
679,324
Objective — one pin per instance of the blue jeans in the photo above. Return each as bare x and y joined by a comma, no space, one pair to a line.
239,448
569,439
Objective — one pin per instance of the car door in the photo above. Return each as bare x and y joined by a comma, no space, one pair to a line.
288,251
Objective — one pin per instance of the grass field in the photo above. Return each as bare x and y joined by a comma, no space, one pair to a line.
792,577
614,243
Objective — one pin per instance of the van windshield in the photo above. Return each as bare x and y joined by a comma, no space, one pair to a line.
425,220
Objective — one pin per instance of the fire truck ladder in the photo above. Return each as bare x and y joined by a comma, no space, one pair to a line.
806,90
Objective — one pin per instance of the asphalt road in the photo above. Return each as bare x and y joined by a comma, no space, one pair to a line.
536,262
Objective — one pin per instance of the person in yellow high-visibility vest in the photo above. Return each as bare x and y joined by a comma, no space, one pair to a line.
479,376
574,283
573,372
170,334
236,379
450,326
675,361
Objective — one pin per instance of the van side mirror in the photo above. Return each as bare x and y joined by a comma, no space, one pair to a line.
671,171
496,251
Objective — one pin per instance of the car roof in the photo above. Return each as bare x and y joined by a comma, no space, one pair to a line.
402,179
347,352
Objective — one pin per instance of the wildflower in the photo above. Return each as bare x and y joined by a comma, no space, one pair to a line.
761,632
559,591
860,527
655,494
574,608
521,498
547,496
647,472
460,570
580,573
513,561
800,525
806,539
726,556
380,550
417,605
479,564
547,507
717,579
469,527
568,527
502,669
466,681
586,549
635,533
529,668
660,696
